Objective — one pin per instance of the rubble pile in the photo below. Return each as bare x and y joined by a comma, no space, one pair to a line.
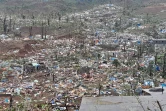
61,70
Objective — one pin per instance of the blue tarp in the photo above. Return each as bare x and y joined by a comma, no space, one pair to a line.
52,102
110,5
157,68
2,89
113,58
163,30
149,83
6,100
115,41
138,25
163,84
113,31
112,79
138,42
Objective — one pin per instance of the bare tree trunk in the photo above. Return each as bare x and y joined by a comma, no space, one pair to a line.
42,30
45,32
48,21
156,59
4,25
10,23
30,31
33,17
14,25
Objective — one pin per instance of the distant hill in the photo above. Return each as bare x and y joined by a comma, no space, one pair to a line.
45,6
61,6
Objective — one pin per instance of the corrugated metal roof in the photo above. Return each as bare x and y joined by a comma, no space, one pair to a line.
159,41
122,103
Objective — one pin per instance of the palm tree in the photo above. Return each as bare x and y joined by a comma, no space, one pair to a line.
116,63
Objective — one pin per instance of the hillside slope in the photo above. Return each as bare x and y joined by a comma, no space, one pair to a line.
46,6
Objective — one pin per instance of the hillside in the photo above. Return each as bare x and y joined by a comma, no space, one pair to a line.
63,6
47,6
26,13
